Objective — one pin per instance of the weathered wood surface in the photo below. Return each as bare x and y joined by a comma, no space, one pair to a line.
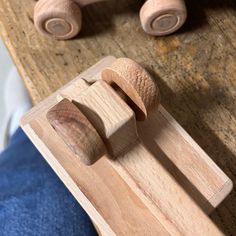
195,69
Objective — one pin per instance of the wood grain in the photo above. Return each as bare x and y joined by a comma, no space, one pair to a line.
194,68
61,19
162,17
174,209
84,3
113,119
76,131
137,85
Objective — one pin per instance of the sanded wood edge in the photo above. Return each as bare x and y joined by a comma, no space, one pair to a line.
68,181
220,196
217,198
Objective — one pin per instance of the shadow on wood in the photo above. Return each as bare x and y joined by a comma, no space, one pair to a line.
187,113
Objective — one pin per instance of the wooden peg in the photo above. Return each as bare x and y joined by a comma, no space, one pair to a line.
163,17
76,131
136,83
60,19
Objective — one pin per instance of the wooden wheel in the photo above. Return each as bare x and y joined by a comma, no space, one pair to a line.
76,131
136,83
162,17
58,18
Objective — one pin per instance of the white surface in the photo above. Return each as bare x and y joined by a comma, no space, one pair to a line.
5,68
14,100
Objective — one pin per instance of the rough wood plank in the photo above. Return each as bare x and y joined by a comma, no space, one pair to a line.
195,68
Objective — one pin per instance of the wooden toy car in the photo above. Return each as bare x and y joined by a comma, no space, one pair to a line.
132,178
62,18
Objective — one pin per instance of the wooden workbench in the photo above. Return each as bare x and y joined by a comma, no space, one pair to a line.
195,69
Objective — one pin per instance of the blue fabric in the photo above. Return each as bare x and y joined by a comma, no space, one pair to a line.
33,201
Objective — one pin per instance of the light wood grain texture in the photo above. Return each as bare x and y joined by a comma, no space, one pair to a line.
111,116
162,189
84,3
162,17
76,131
194,68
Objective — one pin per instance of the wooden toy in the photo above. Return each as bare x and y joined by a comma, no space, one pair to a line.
133,178
114,121
60,18
162,17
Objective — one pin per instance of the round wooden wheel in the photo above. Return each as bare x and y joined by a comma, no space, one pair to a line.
76,131
136,83
162,17
58,18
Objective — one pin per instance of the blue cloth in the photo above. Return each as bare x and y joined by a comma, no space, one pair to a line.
33,201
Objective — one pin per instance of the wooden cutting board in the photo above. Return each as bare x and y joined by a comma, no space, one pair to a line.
162,186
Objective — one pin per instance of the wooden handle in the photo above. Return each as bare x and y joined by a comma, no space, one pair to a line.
162,17
136,83
76,131
60,19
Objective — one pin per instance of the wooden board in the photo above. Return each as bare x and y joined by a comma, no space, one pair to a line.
159,180
195,68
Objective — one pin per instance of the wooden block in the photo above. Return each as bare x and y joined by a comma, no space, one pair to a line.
162,17
116,123
110,115
156,180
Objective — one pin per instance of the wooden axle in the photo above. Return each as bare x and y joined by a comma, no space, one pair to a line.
107,111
